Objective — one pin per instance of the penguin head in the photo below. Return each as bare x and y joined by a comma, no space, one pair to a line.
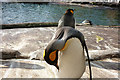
51,57
51,52
69,12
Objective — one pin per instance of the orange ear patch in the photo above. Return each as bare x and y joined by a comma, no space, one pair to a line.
52,56
71,11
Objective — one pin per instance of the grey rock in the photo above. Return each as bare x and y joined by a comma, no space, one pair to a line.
40,69
87,22
31,42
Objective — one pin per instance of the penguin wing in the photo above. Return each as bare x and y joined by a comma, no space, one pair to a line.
71,32
59,33
61,22
65,33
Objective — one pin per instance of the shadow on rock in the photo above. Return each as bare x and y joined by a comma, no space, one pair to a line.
106,65
14,64
11,54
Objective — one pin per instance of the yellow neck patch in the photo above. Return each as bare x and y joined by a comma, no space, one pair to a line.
44,54
52,56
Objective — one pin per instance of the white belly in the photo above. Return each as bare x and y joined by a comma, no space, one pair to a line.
72,61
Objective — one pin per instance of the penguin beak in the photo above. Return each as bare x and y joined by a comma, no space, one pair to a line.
57,66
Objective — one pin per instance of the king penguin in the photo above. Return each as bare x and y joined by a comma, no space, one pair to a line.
66,52
67,19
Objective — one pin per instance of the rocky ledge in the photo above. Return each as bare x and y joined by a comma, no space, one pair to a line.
21,46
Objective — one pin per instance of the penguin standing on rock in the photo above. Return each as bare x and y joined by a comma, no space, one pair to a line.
67,19
66,52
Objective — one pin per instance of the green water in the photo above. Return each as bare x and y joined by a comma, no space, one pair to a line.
27,12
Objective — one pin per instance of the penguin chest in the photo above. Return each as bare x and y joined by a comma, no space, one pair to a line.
72,60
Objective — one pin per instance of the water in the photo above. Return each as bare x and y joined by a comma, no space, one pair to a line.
27,12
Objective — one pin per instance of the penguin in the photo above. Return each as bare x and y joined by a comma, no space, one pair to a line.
67,19
66,52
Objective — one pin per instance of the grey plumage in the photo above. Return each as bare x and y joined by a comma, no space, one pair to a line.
67,20
65,33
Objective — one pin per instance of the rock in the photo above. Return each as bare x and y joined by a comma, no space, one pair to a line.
31,42
105,68
36,55
110,36
40,69
103,54
9,54
87,22
28,25
26,41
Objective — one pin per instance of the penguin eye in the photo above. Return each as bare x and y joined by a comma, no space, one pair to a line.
52,56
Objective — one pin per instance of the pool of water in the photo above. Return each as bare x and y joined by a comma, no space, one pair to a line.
28,12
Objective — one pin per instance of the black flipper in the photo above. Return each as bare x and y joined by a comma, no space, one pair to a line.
90,71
